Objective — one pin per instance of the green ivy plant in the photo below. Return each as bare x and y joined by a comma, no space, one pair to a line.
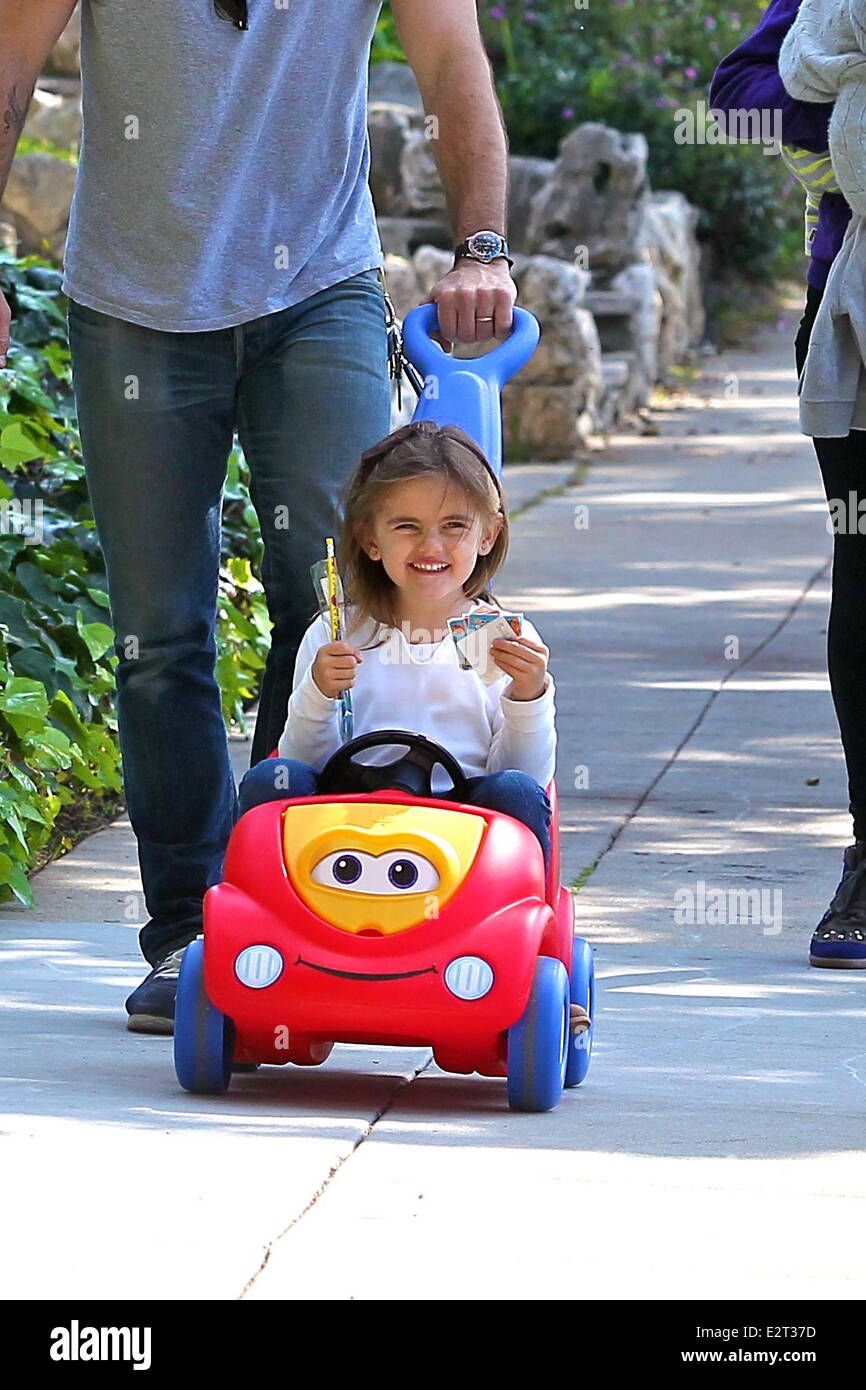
59,748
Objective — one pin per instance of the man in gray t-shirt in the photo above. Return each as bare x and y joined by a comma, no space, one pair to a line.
222,269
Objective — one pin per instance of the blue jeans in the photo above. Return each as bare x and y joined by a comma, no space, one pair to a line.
307,390
511,792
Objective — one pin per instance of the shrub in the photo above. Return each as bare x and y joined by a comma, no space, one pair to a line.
58,732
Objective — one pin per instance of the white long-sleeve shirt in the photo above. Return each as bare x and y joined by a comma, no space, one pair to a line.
421,687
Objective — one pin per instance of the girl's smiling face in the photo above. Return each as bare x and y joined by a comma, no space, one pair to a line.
428,539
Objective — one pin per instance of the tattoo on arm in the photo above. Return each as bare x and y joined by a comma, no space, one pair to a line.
14,114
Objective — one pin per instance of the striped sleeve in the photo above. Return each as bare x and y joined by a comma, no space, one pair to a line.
814,173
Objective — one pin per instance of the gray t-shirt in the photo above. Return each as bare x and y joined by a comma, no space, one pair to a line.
223,172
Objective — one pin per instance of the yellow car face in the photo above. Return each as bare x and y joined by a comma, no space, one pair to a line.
377,869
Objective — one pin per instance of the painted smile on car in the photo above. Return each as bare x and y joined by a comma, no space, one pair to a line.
366,975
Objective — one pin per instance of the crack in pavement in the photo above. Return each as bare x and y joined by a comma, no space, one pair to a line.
587,872
576,478
848,1064
332,1172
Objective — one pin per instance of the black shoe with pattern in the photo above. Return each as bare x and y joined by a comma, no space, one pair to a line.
839,941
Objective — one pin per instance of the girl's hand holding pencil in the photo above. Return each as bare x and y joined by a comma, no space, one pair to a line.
334,668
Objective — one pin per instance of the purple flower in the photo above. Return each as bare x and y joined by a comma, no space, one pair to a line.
692,73
568,114
709,22
497,12
530,16
658,58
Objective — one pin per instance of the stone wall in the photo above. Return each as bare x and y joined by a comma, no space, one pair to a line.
611,269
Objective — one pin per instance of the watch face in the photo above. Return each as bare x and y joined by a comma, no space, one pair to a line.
485,245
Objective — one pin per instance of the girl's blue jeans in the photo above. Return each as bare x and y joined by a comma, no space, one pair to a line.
307,390
513,793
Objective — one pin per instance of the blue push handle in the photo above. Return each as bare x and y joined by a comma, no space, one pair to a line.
466,392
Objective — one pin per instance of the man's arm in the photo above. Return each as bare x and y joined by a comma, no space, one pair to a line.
29,30
443,45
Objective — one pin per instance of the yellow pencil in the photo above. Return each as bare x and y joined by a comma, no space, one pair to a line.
333,603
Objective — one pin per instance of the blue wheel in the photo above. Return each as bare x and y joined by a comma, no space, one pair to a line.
582,992
203,1037
538,1042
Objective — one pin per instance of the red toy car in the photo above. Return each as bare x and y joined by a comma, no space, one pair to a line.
387,915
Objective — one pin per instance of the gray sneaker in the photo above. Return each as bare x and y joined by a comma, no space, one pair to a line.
151,1004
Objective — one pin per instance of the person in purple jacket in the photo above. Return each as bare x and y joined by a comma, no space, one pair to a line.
748,79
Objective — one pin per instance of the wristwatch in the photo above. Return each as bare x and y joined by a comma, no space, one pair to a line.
483,246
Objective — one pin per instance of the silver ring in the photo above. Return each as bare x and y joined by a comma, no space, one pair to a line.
478,319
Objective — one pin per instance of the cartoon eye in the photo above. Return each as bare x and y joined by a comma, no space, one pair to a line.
398,871
346,869
403,873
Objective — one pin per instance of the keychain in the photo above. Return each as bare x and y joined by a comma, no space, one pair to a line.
398,362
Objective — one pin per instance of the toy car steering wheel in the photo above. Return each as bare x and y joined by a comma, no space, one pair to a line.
411,773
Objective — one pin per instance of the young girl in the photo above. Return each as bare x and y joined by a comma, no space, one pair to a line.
424,533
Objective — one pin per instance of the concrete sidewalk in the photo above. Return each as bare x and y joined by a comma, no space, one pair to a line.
714,1150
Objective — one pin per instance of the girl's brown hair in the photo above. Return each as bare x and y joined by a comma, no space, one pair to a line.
421,449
